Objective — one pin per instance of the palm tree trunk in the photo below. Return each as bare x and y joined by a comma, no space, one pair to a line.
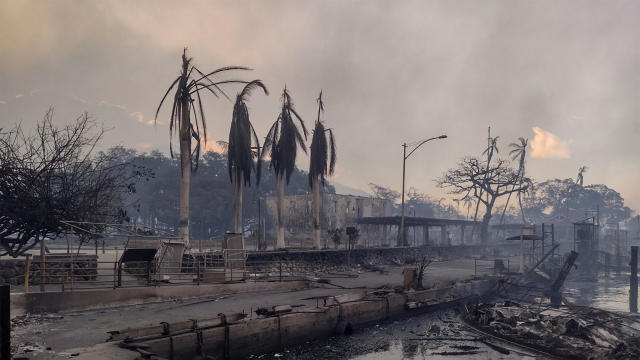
185,179
524,221
475,215
238,200
280,226
504,210
316,212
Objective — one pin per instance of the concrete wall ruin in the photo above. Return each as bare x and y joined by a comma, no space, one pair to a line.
336,211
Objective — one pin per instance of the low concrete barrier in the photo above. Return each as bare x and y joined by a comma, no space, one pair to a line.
246,337
95,299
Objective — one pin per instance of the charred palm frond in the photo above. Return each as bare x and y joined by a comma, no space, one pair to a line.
519,151
493,147
283,139
244,146
321,150
187,95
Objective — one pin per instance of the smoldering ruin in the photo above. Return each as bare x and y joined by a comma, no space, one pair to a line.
339,180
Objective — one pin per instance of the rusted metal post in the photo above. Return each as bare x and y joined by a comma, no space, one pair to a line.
71,270
263,234
5,322
618,252
198,272
633,288
148,273
475,268
521,252
119,274
42,264
27,271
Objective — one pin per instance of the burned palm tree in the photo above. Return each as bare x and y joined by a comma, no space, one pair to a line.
322,163
580,178
243,149
282,143
518,152
187,92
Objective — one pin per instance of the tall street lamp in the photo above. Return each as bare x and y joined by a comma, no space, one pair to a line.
402,241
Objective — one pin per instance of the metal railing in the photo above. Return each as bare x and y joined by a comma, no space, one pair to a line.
73,274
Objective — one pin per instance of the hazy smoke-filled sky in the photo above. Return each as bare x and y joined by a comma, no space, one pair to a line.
565,74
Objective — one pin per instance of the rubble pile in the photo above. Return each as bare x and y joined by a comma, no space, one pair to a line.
576,332
335,261
28,334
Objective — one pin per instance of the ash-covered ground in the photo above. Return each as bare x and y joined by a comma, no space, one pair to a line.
438,335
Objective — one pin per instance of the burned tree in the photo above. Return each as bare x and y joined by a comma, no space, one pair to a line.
335,235
580,177
243,149
485,183
184,121
282,143
322,163
492,147
53,175
382,192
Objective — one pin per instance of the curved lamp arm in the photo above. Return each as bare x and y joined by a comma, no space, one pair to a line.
416,148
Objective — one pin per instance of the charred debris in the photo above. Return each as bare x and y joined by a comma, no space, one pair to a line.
529,311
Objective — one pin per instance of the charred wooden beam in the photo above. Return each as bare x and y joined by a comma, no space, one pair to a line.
554,291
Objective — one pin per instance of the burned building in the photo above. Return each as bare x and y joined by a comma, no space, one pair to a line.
336,212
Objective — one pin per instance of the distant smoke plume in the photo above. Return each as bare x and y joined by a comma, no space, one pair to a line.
547,145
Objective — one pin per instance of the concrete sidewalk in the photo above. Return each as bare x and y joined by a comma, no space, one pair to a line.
63,331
